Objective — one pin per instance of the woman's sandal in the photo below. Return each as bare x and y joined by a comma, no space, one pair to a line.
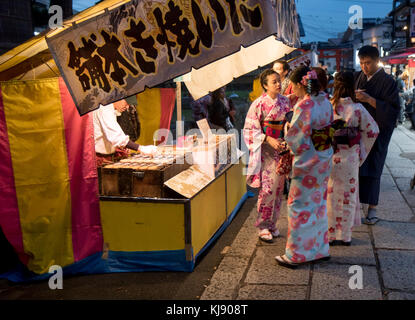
275,233
370,221
371,218
285,262
265,235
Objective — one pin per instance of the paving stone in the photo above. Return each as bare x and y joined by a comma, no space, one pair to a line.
394,156
397,268
245,242
272,292
217,292
401,172
361,228
401,296
393,207
331,282
406,191
394,235
265,270
226,279
283,212
387,183
403,184
400,163
407,146
410,199
393,147
359,252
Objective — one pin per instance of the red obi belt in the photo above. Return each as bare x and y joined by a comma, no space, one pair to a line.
274,129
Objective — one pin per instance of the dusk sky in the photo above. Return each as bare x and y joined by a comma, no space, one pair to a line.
322,19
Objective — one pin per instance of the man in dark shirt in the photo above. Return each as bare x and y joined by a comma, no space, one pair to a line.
378,93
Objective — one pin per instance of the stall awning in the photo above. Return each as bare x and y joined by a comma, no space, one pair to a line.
399,58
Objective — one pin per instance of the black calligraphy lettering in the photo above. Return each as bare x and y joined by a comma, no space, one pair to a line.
203,28
236,25
92,64
163,38
75,63
220,13
147,44
74,56
109,51
180,28
253,16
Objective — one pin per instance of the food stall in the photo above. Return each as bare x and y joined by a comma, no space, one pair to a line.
135,215
170,209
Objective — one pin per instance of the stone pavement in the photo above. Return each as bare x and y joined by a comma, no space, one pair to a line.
386,251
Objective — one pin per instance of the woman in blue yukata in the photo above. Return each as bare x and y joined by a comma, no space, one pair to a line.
309,138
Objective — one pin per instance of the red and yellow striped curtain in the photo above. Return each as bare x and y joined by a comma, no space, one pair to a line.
49,208
155,108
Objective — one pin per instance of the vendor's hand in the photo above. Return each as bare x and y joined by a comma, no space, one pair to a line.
149,150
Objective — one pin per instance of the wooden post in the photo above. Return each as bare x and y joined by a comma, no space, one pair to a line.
179,127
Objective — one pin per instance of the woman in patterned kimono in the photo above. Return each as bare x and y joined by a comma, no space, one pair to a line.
263,132
309,140
352,144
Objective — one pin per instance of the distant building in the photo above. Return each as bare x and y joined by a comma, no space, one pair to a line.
401,16
15,23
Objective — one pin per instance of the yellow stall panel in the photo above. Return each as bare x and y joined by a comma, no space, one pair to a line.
236,186
208,213
142,226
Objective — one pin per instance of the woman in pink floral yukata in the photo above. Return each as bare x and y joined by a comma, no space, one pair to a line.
352,145
308,137
263,132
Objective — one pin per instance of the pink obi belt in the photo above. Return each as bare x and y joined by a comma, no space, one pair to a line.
274,129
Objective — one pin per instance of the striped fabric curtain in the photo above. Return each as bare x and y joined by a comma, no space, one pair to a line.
48,180
155,108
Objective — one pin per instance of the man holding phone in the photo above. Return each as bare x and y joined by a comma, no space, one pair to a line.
378,93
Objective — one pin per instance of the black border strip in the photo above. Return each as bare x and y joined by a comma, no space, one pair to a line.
188,231
143,199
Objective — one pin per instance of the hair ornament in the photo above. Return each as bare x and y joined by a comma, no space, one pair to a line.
311,75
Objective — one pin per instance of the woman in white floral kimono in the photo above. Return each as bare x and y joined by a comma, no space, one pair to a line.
263,132
308,137
352,144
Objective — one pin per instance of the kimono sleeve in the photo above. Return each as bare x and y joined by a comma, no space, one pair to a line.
369,131
252,132
298,136
388,105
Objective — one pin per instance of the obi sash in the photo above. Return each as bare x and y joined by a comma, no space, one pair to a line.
349,136
322,138
274,129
